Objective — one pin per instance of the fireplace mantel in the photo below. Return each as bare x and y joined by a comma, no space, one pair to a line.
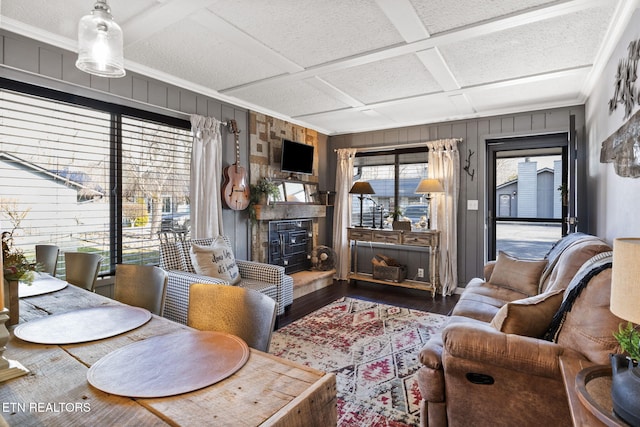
289,211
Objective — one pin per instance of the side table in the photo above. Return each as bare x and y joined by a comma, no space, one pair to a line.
588,388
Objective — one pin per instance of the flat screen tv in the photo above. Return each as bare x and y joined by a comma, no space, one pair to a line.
296,157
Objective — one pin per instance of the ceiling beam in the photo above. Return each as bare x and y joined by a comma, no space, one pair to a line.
329,89
404,18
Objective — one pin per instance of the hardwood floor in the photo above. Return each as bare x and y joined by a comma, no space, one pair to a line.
385,294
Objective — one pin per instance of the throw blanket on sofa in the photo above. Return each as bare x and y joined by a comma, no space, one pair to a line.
558,248
590,269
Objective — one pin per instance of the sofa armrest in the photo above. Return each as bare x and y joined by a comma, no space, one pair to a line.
260,271
484,344
488,270
268,273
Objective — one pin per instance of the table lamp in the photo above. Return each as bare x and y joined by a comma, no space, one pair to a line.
426,187
625,294
361,188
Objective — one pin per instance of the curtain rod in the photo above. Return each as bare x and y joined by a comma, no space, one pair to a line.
394,147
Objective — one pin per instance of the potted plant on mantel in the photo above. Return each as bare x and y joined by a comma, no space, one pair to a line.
261,194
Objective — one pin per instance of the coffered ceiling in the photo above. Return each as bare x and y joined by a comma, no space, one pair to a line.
341,66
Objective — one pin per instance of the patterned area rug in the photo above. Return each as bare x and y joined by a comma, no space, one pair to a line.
373,350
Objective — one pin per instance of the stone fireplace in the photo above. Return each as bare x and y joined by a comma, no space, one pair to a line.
265,140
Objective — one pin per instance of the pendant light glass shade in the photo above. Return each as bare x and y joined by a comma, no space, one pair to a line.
100,42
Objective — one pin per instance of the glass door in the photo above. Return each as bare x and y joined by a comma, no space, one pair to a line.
528,194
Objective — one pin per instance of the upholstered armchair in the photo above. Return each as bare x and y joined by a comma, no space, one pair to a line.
175,259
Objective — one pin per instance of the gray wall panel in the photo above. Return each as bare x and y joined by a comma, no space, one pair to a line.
122,87
474,133
50,63
139,89
99,83
158,94
20,53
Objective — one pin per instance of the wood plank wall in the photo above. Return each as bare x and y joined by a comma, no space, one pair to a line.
474,134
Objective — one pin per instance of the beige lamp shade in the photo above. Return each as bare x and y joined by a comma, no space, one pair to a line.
361,187
429,185
625,279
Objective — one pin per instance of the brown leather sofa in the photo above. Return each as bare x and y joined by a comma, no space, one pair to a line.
496,362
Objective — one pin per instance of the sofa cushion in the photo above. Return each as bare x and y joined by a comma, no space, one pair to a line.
530,316
518,274
215,260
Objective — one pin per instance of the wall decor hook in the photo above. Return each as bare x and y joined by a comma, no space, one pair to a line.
468,164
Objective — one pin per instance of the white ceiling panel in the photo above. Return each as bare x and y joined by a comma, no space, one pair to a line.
205,59
424,109
441,15
311,32
351,121
341,66
559,43
536,93
294,98
389,79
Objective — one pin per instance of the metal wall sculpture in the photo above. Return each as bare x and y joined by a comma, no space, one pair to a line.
623,148
624,85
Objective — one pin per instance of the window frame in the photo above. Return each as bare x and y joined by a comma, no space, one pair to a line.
116,112
396,153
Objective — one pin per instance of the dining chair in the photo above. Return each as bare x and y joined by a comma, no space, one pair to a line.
81,269
141,286
243,312
47,257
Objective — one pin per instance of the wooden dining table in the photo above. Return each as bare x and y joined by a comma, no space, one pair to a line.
266,390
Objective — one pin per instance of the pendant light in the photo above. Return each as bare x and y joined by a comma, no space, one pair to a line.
100,42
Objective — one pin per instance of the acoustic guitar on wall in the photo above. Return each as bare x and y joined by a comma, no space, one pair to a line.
235,188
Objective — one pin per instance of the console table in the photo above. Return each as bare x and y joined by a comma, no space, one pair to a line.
427,239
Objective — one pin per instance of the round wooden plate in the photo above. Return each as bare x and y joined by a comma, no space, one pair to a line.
598,400
87,324
168,365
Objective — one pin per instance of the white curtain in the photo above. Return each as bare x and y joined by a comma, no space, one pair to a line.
342,211
444,164
206,177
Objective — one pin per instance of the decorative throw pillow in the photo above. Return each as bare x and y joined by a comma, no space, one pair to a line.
529,317
216,261
520,275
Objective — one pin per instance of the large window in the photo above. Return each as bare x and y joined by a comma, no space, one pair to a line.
394,176
90,176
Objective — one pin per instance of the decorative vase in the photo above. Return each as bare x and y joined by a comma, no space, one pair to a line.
11,301
625,388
